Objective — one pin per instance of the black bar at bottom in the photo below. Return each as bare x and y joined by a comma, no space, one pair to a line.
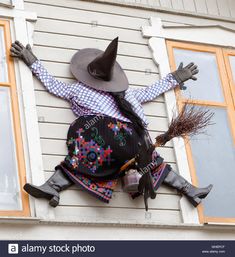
118,248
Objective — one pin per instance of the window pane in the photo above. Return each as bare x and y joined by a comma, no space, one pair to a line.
6,2
232,63
3,64
9,182
214,159
207,87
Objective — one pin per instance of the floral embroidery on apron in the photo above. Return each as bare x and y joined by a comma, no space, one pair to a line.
121,131
89,153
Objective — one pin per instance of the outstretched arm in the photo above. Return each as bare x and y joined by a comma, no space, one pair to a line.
54,86
173,79
149,93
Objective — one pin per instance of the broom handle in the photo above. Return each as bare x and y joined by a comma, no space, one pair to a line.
126,165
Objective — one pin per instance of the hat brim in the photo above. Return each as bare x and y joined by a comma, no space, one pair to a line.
78,67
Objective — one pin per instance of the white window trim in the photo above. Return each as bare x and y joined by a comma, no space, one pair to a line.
158,34
22,30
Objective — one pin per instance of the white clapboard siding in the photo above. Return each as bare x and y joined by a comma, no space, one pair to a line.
116,215
212,7
75,42
193,20
232,7
166,3
153,2
86,16
62,28
178,4
224,8
194,6
87,30
120,200
189,5
201,6
138,13
96,7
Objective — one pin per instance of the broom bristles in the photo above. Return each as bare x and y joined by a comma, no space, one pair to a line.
192,120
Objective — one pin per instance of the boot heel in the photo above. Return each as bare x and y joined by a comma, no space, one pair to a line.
194,201
54,201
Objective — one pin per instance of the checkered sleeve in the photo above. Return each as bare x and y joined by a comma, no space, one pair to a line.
54,86
159,87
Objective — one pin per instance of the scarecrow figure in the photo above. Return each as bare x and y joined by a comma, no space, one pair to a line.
111,127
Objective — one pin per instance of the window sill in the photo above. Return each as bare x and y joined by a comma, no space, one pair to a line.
220,224
20,220
61,222
182,226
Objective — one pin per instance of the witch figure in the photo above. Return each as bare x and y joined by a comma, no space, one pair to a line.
110,128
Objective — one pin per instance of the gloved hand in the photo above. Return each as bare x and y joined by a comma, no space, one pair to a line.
183,74
23,53
143,162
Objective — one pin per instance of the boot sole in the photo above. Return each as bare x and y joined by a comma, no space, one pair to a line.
35,192
194,201
54,201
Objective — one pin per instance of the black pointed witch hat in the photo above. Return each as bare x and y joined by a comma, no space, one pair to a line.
99,69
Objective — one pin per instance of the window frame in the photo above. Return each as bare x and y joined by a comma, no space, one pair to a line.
227,53
157,33
21,27
227,104
5,24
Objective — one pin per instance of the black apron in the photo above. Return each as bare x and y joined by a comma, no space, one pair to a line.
99,145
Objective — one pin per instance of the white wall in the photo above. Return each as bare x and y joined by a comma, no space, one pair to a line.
64,26
219,8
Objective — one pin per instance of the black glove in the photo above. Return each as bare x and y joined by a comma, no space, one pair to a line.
183,74
23,53
143,162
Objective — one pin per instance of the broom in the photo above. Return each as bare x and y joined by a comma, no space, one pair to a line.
192,120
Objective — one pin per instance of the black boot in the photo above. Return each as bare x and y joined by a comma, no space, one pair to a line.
193,193
51,188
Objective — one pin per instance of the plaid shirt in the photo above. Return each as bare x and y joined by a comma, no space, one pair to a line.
88,101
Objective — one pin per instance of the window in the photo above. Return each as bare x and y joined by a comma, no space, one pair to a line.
6,3
211,156
13,200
